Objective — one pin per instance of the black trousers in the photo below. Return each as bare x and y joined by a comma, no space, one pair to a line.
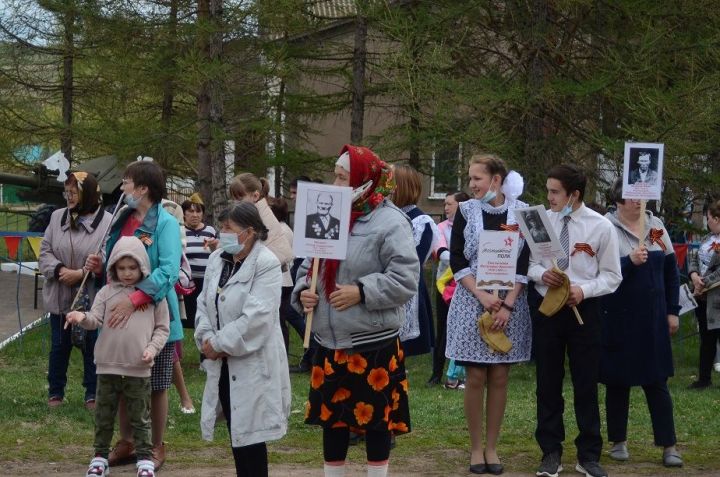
617,403
708,343
554,336
191,304
252,460
438,364
297,321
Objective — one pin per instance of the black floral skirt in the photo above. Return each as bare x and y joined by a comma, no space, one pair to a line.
366,390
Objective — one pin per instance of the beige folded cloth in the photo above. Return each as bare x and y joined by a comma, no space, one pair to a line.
556,297
497,340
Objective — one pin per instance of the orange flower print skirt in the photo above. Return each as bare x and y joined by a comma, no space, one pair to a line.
367,390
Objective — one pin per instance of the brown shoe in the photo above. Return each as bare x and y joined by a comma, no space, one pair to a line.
55,401
123,453
158,456
90,404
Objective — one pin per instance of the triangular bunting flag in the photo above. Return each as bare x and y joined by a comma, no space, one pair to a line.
12,244
35,245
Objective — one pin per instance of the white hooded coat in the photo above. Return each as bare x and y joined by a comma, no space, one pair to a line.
247,309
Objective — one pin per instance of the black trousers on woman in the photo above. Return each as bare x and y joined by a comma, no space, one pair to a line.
252,460
438,362
617,403
708,344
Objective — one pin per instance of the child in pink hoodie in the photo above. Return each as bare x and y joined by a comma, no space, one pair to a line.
124,356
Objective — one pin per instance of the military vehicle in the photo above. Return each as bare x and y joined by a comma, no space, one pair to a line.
47,190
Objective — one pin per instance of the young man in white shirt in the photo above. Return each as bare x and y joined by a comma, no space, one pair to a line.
593,266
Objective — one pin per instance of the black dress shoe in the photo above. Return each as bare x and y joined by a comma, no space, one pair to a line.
433,381
494,469
478,468
700,385
303,367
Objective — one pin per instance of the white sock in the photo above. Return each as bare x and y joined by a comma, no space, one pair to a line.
334,470
377,470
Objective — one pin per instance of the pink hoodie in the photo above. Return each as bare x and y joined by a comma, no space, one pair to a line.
119,350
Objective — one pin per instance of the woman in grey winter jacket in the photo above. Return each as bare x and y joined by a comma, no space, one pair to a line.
358,377
74,232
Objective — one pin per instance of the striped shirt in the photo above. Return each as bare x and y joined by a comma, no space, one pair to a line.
196,252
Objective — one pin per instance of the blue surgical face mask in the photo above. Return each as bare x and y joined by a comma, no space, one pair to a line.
567,210
131,201
229,243
489,196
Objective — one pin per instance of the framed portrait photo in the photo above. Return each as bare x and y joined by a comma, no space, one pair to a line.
322,220
643,170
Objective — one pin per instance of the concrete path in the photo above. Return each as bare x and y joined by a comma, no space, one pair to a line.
11,300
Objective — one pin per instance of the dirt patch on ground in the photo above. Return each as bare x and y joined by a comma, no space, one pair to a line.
417,468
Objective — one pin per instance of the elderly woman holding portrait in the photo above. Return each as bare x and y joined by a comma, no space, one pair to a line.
358,378
638,319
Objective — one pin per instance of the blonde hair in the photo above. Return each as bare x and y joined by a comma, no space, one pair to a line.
409,185
493,164
247,183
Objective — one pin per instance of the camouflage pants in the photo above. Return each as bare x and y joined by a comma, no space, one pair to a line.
110,387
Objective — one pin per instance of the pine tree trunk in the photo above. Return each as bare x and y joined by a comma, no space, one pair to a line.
358,79
537,72
210,143
68,82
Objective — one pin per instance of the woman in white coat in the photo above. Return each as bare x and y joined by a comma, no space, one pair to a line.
238,330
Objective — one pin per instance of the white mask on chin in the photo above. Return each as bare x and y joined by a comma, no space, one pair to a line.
360,191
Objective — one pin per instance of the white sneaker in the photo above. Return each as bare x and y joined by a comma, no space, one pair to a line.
98,468
717,367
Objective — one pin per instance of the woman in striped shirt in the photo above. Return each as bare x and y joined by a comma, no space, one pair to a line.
201,242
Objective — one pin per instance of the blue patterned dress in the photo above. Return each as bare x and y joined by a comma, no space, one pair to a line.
464,343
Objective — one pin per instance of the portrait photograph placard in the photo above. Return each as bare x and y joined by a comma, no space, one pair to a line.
536,229
687,300
497,260
643,170
322,220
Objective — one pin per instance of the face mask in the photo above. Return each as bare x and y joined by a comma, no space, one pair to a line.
568,208
229,243
489,196
357,193
131,201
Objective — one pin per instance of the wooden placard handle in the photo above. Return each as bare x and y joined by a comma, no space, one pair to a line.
313,288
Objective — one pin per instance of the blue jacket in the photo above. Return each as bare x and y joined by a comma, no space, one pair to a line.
160,232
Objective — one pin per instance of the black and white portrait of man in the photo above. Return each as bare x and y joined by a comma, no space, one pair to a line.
645,168
535,226
322,224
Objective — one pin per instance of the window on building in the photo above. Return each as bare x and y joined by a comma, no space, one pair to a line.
447,175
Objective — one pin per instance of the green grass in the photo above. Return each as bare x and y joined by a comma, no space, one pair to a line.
439,440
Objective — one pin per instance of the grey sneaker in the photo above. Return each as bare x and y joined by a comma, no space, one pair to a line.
550,465
672,458
590,469
619,451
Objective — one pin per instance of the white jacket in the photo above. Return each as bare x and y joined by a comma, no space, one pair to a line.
250,333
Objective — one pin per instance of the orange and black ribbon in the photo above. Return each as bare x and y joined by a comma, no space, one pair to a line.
715,246
583,247
655,236
510,227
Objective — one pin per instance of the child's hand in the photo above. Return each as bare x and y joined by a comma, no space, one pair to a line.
148,356
73,318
